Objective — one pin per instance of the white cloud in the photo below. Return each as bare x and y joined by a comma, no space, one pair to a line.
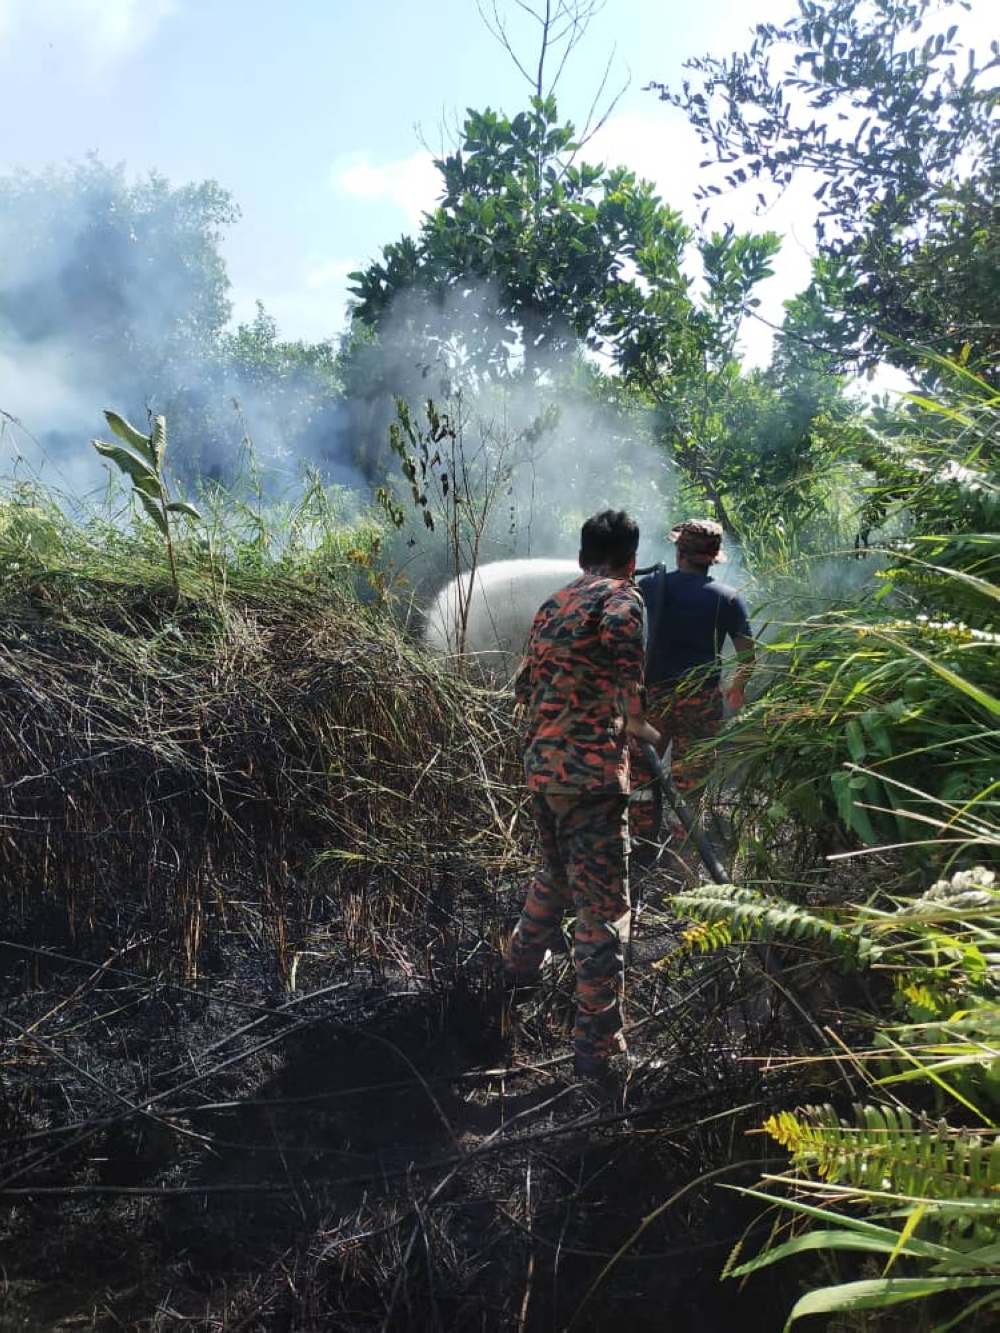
657,145
412,183
363,180
101,31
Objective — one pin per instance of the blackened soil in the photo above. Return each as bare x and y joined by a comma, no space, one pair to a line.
385,1150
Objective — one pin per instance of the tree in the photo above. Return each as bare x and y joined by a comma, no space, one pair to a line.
903,145
523,256
562,26
126,269
681,355
534,255
289,395
121,286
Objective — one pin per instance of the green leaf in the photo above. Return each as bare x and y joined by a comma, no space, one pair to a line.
988,1256
855,740
149,486
154,510
824,1240
880,1294
909,1227
158,441
988,701
182,507
852,815
137,469
879,1238
135,439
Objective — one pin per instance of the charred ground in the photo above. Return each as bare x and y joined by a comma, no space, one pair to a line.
258,1070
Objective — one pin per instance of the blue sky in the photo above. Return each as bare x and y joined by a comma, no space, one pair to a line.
321,116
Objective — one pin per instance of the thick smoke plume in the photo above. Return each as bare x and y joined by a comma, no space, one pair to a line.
541,443
113,294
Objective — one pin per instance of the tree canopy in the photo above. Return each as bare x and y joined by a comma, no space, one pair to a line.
534,256
118,286
131,267
895,122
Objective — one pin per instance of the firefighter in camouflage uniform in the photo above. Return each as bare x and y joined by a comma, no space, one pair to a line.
689,617
581,690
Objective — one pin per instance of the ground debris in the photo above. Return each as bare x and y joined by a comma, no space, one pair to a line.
257,1069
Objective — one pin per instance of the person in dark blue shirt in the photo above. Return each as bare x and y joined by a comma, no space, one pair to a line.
689,617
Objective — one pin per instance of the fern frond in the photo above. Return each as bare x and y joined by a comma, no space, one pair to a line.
923,997
885,1153
703,937
707,936
754,915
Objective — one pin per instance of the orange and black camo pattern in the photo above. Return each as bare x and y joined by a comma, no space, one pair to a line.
582,675
584,660
584,873
686,713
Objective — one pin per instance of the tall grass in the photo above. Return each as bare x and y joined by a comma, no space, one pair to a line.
882,713
257,731
878,736
313,532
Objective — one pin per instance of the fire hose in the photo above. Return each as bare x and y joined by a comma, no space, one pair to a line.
713,862
692,826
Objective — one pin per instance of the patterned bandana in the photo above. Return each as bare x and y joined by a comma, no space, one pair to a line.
699,538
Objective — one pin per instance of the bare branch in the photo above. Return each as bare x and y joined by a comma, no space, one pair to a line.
562,25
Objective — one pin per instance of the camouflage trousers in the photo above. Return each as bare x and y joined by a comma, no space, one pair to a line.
584,871
686,716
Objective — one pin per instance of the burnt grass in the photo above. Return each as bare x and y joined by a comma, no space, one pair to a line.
258,1071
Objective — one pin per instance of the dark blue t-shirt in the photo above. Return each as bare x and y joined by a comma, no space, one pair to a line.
688,618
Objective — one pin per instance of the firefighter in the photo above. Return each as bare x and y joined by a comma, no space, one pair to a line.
581,690
689,616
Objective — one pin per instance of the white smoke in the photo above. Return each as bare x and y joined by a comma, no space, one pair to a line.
543,481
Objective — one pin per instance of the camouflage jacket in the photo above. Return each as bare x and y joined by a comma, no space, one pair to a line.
583,667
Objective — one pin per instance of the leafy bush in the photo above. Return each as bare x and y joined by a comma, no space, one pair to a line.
882,716
910,1178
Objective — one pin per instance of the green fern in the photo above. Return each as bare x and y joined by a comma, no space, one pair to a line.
887,1155
750,914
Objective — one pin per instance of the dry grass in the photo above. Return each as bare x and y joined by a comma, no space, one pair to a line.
170,775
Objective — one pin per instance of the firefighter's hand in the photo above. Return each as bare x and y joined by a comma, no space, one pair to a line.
642,731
